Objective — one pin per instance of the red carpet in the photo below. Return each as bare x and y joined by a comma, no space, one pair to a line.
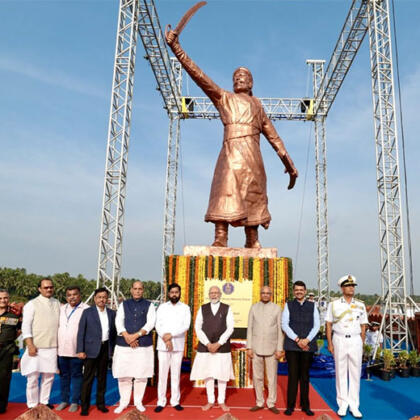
240,400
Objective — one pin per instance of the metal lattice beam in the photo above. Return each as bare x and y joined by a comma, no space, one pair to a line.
153,40
295,109
346,48
321,191
394,296
110,242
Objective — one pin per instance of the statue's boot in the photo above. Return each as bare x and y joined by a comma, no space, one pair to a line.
220,234
251,233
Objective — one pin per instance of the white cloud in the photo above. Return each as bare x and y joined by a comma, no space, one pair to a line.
50,76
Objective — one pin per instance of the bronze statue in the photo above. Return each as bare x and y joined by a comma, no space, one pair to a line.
238,192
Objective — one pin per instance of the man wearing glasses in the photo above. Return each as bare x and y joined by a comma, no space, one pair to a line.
346,322
39,330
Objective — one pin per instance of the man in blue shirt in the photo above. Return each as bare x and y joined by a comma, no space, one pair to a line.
300,323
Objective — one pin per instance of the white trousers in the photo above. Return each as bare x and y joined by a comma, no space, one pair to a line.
169,360
36,394
125,386
348,366
221,385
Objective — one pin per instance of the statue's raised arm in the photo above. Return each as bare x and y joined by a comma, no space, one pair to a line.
211,89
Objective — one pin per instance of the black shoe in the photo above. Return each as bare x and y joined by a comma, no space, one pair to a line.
308,412
102,408
289,412
84,413
179,407
50,406
158,409
2,410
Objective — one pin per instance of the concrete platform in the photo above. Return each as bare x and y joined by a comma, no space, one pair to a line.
218,251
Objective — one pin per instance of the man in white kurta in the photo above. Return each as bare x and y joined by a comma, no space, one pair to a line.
346,321
133,354
39,330
173,320
214,325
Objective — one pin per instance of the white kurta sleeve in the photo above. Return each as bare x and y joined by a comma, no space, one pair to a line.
119,320
202,337
28,317
230,325
151,319
160,321
185,321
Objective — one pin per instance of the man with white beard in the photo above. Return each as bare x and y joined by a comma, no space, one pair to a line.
133,354
214,325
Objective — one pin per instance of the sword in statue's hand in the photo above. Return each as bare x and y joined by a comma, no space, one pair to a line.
181,25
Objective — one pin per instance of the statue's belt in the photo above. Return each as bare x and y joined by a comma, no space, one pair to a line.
233,131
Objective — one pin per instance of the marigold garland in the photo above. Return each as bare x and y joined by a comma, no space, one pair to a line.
191,272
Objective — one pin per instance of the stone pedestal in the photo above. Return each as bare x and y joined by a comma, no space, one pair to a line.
218,251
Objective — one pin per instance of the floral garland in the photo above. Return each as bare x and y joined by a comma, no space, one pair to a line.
191,272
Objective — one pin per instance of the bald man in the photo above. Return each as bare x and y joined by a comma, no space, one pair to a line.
214,325
265,347
133,356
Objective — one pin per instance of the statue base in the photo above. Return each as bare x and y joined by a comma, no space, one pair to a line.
220,251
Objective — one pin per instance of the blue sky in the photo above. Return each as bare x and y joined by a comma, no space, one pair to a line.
56,67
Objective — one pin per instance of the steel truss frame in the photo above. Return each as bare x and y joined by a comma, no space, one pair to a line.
394,295
363,15
321,188
293,109
113,205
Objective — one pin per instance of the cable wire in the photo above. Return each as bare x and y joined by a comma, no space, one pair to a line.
410,257
302,204
182,192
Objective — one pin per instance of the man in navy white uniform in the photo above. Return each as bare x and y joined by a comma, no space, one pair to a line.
346,322
173,320
133,356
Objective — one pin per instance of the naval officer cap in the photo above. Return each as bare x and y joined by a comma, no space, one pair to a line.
347,280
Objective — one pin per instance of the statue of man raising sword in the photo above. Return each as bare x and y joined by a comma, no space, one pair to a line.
238,193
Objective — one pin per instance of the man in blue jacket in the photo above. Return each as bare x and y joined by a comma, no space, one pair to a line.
95,343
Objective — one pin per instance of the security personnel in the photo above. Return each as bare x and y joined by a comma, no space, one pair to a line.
346,322
9,327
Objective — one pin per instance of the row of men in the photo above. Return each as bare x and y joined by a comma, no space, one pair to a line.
84,338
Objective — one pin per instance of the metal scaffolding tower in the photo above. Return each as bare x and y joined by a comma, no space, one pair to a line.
112,222
321,187
141,16
394,296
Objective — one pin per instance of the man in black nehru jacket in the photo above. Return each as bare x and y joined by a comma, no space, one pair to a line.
300,323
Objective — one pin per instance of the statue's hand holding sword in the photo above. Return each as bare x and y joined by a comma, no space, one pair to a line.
172,35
